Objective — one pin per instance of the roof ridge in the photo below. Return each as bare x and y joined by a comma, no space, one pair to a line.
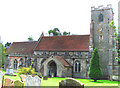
25,42
68,35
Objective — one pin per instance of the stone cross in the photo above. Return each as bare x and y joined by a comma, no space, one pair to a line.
8,83
18,84
1,79
32,81
70,83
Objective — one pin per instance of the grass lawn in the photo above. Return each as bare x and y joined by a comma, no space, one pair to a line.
87,82
12,77
55,81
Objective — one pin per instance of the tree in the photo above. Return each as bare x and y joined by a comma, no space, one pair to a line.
95,71
56,32
30,38
117,35
7,44
2,56
66,33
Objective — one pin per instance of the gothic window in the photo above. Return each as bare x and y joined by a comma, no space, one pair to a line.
21,62
77,66
25,61
100,17
108,20
15,64
29,62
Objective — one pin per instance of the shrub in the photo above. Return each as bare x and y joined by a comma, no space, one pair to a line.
95,71
27,71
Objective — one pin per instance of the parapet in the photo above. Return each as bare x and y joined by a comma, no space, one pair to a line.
101,7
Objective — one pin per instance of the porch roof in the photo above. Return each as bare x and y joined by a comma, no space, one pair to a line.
63,61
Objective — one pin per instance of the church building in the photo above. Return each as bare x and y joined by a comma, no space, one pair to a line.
69,56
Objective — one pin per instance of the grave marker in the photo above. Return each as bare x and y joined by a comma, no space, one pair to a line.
1,78
32,81
8,83
18,84
70,83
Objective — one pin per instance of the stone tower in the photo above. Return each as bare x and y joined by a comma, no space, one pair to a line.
101,36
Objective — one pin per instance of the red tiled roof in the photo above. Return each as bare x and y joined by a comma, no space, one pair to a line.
64,43
21,48
63,61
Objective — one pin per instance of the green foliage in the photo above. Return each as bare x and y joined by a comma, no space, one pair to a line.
56,32
3,55
95,71
66,33
30,38
27,70
117,34
7,44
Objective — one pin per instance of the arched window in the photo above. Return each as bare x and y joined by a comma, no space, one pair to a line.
100,17
15,64
21,63
77,66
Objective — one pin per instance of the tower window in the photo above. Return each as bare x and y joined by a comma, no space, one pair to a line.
101,37
108,20
100,17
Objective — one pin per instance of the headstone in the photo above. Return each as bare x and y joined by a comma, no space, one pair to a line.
8,83
45,78
70,83
23,77
9,71
115,78
1,78
18,84
32,81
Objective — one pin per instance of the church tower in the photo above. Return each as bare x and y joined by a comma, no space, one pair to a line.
101,36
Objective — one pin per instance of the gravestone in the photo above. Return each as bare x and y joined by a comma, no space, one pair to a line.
70,83
45,78
9,71
18,84
32,81
8,83
1,78
23,77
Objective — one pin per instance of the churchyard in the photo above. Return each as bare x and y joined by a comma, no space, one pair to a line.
55,81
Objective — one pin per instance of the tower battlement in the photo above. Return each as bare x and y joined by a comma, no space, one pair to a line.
101,7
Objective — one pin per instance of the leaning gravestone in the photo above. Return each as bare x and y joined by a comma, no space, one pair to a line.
70,83
32,81
18,84
23,77
1,79
8,83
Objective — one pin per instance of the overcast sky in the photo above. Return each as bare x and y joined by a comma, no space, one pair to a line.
20,19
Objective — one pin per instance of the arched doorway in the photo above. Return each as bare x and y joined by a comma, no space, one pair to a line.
52,67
